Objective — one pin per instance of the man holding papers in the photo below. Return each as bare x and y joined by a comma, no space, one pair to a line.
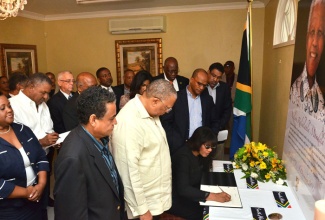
188,165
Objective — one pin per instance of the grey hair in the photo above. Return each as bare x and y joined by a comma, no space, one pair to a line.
313,4
161,89
38,78
60,74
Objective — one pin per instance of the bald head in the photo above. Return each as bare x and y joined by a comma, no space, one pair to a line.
85,80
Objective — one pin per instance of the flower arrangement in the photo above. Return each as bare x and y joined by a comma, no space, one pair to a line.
260,162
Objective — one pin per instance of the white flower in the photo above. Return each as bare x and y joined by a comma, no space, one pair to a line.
254,175
234,163
280,181
244,166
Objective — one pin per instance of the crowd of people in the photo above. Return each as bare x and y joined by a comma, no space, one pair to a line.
134,151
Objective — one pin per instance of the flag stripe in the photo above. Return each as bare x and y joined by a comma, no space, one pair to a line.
244,87
243,101
241,133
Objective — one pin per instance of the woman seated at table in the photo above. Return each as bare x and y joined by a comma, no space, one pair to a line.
139,84
188,164
23,167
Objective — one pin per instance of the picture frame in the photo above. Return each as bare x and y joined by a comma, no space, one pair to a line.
138,54
18,58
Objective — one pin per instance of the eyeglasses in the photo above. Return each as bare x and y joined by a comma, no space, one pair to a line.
209,147
68,80
168,109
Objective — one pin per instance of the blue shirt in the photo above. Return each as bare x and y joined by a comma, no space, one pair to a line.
107,156
195,112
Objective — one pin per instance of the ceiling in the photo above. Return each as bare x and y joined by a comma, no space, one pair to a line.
51,9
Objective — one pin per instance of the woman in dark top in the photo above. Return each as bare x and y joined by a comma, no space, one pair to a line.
138,86
23,167
188,164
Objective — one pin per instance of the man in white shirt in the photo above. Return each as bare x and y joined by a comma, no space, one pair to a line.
141,152
31,110
104,78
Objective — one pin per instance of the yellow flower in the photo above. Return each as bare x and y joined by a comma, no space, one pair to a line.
267,176
252,163
265,154
263,166
261,147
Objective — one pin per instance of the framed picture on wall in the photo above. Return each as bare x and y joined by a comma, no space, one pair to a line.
18,58
138,54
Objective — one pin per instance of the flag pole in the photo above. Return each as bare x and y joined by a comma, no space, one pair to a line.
251,59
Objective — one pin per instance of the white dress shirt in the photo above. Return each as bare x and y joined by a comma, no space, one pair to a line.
175,84
107,88
37,119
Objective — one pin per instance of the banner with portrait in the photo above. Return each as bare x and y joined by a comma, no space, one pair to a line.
304,145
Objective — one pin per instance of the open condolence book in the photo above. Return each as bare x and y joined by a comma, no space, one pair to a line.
214,182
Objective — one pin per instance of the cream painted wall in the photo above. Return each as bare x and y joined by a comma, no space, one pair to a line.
277,72
196,39
25,31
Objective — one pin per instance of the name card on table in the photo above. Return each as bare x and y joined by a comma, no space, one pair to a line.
228,168
258,213
281,199
251,183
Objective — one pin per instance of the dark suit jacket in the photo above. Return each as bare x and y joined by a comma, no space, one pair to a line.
118,91
177,123
223,105
69,114
84,188
56,105
181,80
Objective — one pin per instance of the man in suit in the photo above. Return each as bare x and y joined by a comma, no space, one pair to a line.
56,104
192,109
60,99
70,116
171,74
221,95
123,89
104,78
88,185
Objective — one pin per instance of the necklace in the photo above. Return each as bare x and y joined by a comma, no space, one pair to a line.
5,131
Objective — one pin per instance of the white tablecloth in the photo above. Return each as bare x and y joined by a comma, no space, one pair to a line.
262,197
